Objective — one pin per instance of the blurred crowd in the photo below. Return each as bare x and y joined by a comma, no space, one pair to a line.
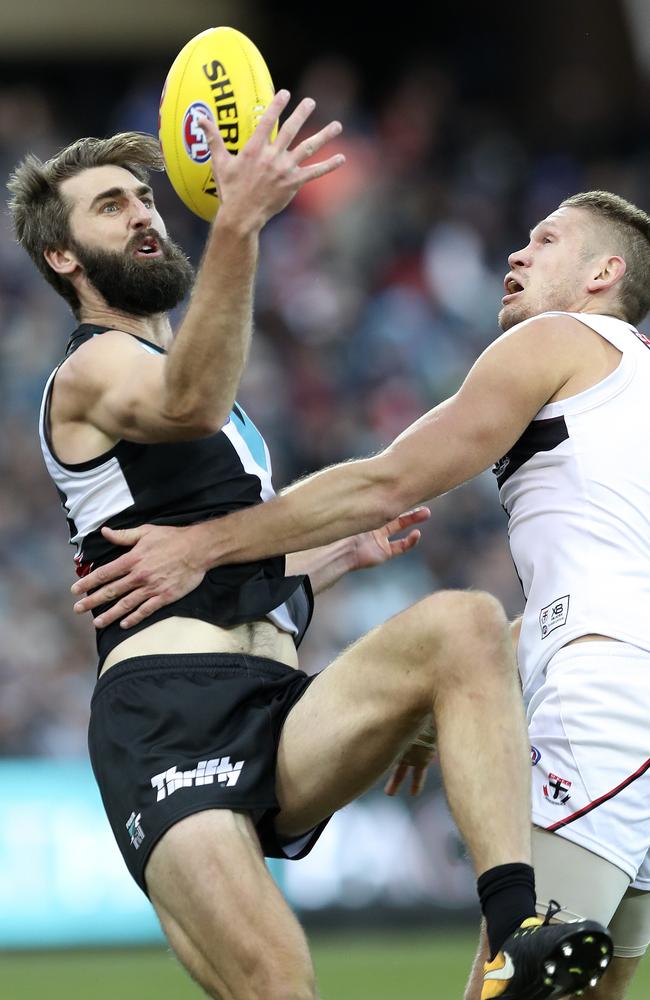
377,289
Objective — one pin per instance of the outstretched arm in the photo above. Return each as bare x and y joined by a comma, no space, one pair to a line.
163,566
447,446
503,392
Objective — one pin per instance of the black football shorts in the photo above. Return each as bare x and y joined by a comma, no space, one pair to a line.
173,735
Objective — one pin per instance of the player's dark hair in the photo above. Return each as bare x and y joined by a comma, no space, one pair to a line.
629,228
41,215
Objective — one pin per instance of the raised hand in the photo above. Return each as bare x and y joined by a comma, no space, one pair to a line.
265,175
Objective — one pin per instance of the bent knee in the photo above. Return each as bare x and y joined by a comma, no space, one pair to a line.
461,634
277,976
460,617
444,638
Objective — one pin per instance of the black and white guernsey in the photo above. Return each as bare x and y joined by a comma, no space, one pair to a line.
177,483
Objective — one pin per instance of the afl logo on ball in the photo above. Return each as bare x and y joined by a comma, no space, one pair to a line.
535,755
194,140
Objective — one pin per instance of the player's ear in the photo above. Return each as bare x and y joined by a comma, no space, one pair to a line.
607,272
61,261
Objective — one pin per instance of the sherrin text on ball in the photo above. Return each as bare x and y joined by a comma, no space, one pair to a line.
221,75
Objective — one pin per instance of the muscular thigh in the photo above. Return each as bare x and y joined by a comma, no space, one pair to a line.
195,871
219,906
361,711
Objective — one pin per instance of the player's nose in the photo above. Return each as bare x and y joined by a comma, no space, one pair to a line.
520,258
140,217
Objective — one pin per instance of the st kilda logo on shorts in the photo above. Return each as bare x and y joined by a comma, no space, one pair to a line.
557,790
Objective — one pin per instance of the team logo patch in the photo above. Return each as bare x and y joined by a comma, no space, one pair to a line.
194,140
554,615
535,755
557,790
135,831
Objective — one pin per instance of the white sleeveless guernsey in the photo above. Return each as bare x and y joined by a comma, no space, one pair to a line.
576,489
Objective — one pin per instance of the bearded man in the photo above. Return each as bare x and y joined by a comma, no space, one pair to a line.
210,748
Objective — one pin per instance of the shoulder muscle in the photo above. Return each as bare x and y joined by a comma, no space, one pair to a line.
502,393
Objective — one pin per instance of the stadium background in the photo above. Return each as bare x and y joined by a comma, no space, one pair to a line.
376,291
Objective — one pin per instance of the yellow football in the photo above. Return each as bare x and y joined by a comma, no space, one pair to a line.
221,75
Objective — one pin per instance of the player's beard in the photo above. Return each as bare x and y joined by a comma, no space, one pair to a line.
136,284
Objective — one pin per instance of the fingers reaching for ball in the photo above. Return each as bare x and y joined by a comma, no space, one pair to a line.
310,146
266,174
294,123
264,130
212,135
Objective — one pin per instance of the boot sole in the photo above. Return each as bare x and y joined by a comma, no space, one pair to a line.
575,963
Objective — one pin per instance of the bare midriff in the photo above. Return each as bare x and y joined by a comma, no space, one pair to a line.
188,635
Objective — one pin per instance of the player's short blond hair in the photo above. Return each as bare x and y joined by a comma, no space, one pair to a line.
628,235
41,215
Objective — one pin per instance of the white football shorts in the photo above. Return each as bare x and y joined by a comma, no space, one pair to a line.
589,727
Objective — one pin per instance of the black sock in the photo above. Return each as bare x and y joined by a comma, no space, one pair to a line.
507,895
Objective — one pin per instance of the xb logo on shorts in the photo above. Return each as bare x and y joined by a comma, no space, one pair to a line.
205,772
557,790
535,755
